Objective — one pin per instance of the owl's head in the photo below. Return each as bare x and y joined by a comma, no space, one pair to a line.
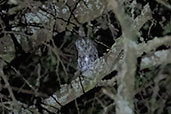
84,44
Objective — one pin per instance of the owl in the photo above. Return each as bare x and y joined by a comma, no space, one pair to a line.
87,53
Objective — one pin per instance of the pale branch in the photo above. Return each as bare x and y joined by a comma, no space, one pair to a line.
126,79
157,58
148,47
153,44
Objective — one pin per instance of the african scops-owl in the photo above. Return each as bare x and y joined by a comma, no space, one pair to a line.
87,53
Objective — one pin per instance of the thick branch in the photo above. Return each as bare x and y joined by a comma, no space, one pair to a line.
126,78
157,58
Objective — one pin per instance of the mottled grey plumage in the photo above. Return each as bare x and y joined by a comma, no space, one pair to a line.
87,53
